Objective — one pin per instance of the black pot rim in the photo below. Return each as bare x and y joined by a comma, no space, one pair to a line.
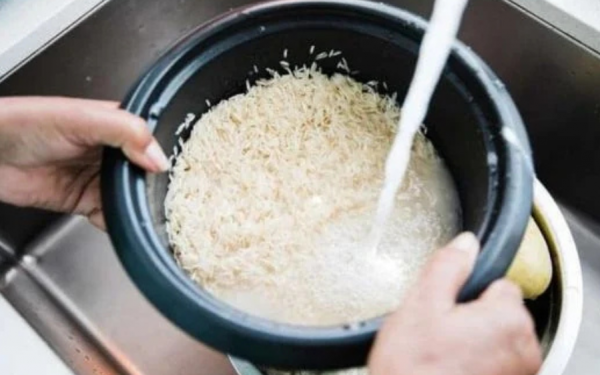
155,273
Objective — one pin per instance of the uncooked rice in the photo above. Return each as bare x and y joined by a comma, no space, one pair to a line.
275,190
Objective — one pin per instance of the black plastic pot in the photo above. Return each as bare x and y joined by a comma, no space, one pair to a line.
470,120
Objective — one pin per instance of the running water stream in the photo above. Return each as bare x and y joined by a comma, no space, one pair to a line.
433,54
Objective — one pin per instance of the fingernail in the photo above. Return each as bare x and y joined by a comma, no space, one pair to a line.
465,241
156,156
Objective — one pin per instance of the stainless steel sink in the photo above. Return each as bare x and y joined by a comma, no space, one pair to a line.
64,278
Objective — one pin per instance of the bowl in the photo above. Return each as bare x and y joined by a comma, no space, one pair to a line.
558,311
472,122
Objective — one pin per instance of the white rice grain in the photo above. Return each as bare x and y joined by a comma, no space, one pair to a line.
275,189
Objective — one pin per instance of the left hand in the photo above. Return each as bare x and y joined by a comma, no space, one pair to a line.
50,151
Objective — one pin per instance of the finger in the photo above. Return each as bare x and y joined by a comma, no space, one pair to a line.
530,351
503,302
104,125
87,123
112,104
502,289
60,100
445,274
89,202
97,219
103,103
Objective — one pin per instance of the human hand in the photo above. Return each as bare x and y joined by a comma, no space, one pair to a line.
432,334
50,151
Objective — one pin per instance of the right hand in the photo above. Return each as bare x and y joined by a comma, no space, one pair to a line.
432,334
51,148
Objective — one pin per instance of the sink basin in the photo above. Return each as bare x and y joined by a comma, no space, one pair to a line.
28,26
65,280
577,18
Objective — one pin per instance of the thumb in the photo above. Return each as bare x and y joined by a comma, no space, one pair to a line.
447,271
101,123
83,123
118,128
